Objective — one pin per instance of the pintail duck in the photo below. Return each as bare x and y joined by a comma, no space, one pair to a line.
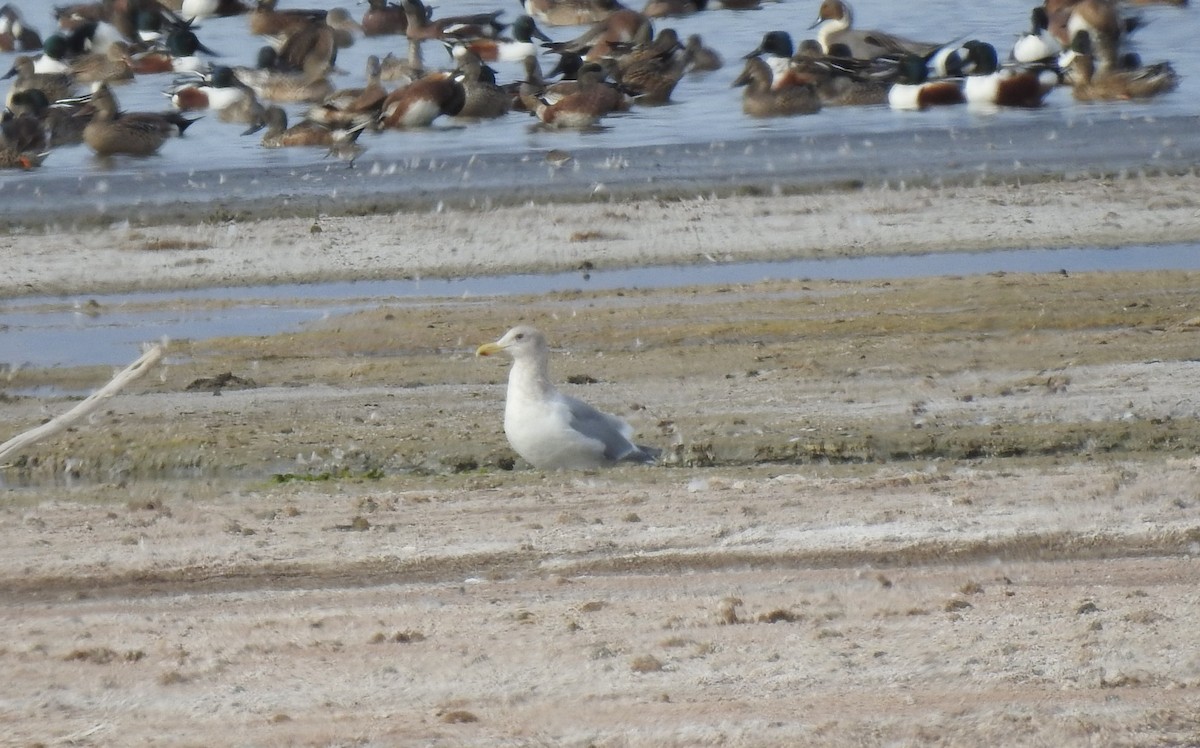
570,12
835,21
592,99
424,100
221,92
282,87
383,18
55,85
267,20
482,98
63,121
516,49
1038,44
15,34
341,142
198,9
1090,84
112,66
349,107
112,131
913,91
764,99
701,59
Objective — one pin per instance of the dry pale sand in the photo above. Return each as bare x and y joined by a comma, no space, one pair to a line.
951,511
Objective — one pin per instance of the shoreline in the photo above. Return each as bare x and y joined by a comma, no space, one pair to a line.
606,234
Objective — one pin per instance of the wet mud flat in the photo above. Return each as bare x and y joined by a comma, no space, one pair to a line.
952,510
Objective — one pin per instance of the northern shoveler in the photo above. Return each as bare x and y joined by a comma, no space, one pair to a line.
55,85
835,25
222,92
913,91
15,34
516,49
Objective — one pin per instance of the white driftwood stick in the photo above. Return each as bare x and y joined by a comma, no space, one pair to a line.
57,424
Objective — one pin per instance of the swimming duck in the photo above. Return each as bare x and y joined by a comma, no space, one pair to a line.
651,71
349,107
1039,44
762,98
15,34
53,56
582,108
664,8
1017,86
570,12
835,25
421,102
267,20
104,67
1090,84
310,49
280,86
221,92
609,37
12,157
112,131
63,122
701,59
179,53
421,24
341,142
913,91
197,9
482,98
55,85
383,18
516,49
395,70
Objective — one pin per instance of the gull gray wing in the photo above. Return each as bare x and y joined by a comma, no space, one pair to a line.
609,430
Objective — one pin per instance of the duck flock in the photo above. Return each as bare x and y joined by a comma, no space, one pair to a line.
64,85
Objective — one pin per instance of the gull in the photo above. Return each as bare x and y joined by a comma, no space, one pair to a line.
550,430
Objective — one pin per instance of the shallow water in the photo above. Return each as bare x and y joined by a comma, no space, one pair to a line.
702,138
98,330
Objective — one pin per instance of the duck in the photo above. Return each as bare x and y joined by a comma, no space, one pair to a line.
609,37
311,49
1017,86
1104,24
12,157
199,9
221,92
763,98
676,8
482,98
1038,44
63,122
267,20
179,53
392,69
280,86
570,12
112,131
338,141
112,66
383,18
421,102
650,72
913,91
701,59
582,108
835,25
516,49
53,56
55,85
1088,83
345,28
349,107
15,34
421,24
26,132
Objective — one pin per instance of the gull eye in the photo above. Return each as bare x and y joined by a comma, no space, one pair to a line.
520,336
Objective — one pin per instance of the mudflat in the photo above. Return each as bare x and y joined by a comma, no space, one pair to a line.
955,510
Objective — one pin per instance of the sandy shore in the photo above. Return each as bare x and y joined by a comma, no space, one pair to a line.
954,511
606,233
